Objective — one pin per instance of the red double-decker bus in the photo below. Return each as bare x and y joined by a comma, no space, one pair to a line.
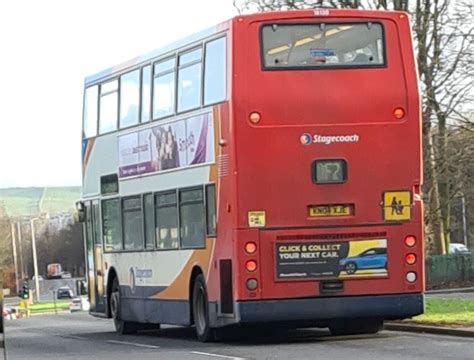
269,172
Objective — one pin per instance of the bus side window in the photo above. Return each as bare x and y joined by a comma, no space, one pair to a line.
111,225
132,223
215,72
211,210
129,98
191,216
166,220
108,108
189,80
91,102
164,88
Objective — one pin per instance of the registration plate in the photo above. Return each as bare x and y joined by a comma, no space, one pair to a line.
330,210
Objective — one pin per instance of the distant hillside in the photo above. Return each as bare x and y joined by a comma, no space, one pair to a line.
31,201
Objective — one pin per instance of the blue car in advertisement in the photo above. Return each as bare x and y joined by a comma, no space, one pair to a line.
375,258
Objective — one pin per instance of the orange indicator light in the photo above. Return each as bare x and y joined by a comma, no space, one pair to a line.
399,113
250,248
410,241
254,118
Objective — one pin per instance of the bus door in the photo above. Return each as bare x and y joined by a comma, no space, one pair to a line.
94,257
98,257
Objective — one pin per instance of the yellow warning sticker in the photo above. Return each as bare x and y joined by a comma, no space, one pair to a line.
256,218
397,205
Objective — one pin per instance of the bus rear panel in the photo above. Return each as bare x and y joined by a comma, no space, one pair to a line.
328,170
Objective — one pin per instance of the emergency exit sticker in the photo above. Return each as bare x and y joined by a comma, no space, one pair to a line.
397,205
256,218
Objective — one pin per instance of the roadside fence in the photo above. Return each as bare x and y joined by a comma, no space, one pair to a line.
445,269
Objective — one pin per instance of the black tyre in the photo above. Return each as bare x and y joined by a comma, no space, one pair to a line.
201,311
355,326
350,267
121,327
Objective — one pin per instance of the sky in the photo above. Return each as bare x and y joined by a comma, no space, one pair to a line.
48,47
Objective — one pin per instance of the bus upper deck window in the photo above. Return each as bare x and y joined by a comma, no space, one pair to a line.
90,111
108,107
129,98
306,46
215,71
164,88
189,80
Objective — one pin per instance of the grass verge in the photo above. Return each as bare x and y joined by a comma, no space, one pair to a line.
47,307
447,312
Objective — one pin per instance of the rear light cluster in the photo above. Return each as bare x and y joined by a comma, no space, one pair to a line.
251,265
410,259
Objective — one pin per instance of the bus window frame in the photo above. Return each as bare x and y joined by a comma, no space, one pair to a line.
154,75
102,223
108,176
116,77
226,65
204,222
175,53
122,212
206,209
177,192
84,137
144,222
157,238
200,46
140,70
325,67
150,109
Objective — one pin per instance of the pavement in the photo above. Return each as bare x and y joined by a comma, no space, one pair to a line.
80,336
464,294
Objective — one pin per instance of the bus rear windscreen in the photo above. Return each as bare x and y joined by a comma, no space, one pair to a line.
301,46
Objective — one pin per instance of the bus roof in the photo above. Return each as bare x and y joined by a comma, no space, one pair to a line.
104,74
354,13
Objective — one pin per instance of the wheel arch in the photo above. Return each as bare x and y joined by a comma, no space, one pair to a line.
111,276
194,274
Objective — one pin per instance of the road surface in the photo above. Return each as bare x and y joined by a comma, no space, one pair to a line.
79,336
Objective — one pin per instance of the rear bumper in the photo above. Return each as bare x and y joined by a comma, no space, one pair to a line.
390,307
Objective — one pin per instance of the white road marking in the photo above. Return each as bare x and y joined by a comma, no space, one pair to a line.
133,344
217,355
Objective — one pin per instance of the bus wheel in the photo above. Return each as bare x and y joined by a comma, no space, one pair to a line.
355,326
121,327
201,311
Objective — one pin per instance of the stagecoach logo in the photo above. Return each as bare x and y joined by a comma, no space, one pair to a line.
138,276
307,139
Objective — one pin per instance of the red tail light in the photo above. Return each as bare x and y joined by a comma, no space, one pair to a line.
410,259
251,265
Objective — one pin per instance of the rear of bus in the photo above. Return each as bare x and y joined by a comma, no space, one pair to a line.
326,120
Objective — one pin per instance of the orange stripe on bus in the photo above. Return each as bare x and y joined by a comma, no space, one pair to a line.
179,288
